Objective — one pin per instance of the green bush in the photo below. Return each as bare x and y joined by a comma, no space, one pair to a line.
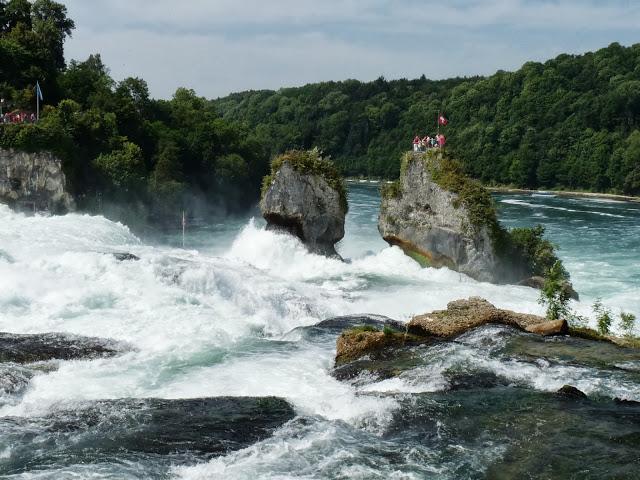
554,294
388,330
537,253
627,323
122,168
603,317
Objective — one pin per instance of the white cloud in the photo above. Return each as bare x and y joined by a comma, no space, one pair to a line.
221,46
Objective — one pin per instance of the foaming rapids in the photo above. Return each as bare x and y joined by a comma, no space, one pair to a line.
237,324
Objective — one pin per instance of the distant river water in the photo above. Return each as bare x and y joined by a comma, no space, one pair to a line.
231,314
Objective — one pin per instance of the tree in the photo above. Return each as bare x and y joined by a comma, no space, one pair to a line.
554,294
627,323
88,82
122,169
52,26
603,317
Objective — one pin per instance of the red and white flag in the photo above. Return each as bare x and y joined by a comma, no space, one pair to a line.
442,120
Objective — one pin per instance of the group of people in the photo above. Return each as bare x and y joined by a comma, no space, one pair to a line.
422,144
18,117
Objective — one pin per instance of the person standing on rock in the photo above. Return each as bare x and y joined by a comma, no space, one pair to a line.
416,143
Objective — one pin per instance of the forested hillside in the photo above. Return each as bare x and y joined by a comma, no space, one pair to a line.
571,122
117,144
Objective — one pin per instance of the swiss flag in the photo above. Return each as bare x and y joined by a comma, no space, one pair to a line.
442,120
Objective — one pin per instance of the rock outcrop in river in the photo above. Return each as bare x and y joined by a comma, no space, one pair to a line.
305,196
441,217
423,215
55,346
33,181
459,317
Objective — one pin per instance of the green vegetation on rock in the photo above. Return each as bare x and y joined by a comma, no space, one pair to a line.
362,329
538,253
309,162
390,189
448,173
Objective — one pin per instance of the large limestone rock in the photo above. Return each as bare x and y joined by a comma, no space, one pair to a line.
431,224
459,317
33,181
305,205
464,315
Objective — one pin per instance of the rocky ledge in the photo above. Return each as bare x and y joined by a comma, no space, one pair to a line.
41,347
33,181
304,196
459,317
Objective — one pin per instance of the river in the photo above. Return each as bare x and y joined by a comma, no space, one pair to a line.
231,314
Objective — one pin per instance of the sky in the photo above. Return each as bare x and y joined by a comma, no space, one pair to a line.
218,47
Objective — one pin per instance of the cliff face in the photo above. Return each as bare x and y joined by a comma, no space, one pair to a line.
305,205
432,225
33,180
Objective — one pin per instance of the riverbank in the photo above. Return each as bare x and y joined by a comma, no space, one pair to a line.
559,193
565,193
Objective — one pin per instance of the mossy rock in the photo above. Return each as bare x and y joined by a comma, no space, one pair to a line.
309,162
591,334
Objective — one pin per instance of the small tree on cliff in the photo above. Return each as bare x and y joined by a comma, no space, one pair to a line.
554,294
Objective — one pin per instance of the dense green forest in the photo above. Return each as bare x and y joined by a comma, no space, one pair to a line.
117,144
571,122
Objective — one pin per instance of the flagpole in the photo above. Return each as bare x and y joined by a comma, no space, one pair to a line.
38,93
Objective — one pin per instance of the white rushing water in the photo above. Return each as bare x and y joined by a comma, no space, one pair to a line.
215,321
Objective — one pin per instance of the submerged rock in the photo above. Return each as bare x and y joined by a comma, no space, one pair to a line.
537,282
175,431
571,392
431,224
55,346
125,256
305,197
33,182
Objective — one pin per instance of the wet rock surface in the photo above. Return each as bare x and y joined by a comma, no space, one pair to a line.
55,346
178,430
306,206
125,257
570,391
